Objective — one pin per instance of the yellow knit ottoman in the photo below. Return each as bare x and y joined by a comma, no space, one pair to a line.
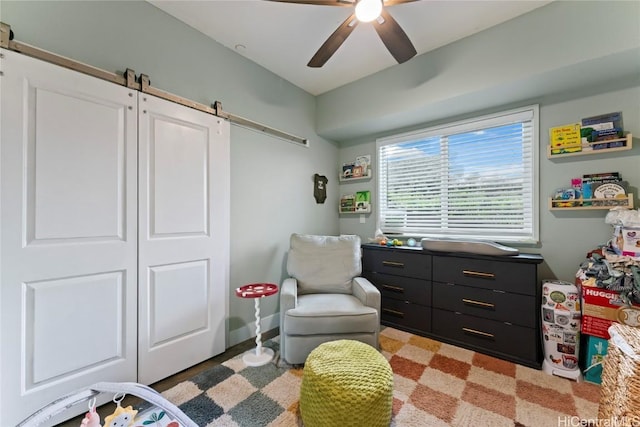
346,383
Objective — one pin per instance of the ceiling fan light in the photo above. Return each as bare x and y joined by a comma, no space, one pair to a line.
368,10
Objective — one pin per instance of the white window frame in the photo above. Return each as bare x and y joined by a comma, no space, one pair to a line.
527,235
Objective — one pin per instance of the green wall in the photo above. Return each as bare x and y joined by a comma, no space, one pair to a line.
565,237
573,58
558,48
271,179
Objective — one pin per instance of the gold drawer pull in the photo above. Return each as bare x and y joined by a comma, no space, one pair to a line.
478,274
393,288
393,312
478,303
480,333
393,264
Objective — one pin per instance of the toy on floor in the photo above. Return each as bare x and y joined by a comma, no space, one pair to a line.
157,412
121,417
91,418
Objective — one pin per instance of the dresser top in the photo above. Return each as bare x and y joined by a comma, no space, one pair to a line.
522,257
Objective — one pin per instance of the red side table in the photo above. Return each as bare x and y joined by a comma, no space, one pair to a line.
257,291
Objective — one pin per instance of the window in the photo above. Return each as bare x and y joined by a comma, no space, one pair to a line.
472,179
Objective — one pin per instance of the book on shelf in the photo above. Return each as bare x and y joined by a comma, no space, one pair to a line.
610,190
602,177
360,167
565,139
604,185
348,203
603,127
363,201
347,170
607,134
364,162
603,121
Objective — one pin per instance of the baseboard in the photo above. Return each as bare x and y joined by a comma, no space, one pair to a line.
249,331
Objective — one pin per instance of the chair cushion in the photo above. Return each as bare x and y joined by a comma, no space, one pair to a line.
324,263
330,314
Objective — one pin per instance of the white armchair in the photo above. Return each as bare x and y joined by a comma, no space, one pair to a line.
325,299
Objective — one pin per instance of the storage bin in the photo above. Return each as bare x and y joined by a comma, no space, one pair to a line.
620,391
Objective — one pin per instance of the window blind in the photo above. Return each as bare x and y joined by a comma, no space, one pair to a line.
472,179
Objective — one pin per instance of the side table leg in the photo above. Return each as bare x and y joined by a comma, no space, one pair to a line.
258,331
260,356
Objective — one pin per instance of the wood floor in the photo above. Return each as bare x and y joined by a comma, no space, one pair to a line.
171,381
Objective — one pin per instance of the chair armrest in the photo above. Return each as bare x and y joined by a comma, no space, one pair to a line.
288,300
369,295
288,294
366,292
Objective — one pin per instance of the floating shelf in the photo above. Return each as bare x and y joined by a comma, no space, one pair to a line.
628,198
628,146
368,210
358,178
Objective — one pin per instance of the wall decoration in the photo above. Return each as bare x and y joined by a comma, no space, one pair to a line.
320,188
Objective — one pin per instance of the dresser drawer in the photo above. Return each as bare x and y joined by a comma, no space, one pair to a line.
512,340
416,291
490,304
489,274
405,314
408,264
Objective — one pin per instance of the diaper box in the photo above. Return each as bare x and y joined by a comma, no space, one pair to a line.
595,351
602,307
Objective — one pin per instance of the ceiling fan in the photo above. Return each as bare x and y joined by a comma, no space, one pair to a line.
390,32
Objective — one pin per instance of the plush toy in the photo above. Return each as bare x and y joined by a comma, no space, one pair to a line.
122,417
91,418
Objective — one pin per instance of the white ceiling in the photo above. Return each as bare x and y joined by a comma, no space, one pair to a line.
282,37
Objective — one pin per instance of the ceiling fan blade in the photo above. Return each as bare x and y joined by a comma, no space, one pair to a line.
334,41
394,38
321,2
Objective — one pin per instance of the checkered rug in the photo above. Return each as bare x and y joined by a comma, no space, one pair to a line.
435,384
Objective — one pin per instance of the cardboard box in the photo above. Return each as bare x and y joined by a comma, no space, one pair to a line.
596,350
601,307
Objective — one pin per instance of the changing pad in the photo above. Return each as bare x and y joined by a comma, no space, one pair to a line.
468,246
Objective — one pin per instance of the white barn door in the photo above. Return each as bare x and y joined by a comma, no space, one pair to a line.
183,237
68,233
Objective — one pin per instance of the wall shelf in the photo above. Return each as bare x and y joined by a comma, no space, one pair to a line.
358,178
365,211
358,202
628,146
628,198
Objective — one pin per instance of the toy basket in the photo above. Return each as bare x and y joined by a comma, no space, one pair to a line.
161,411
620,390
